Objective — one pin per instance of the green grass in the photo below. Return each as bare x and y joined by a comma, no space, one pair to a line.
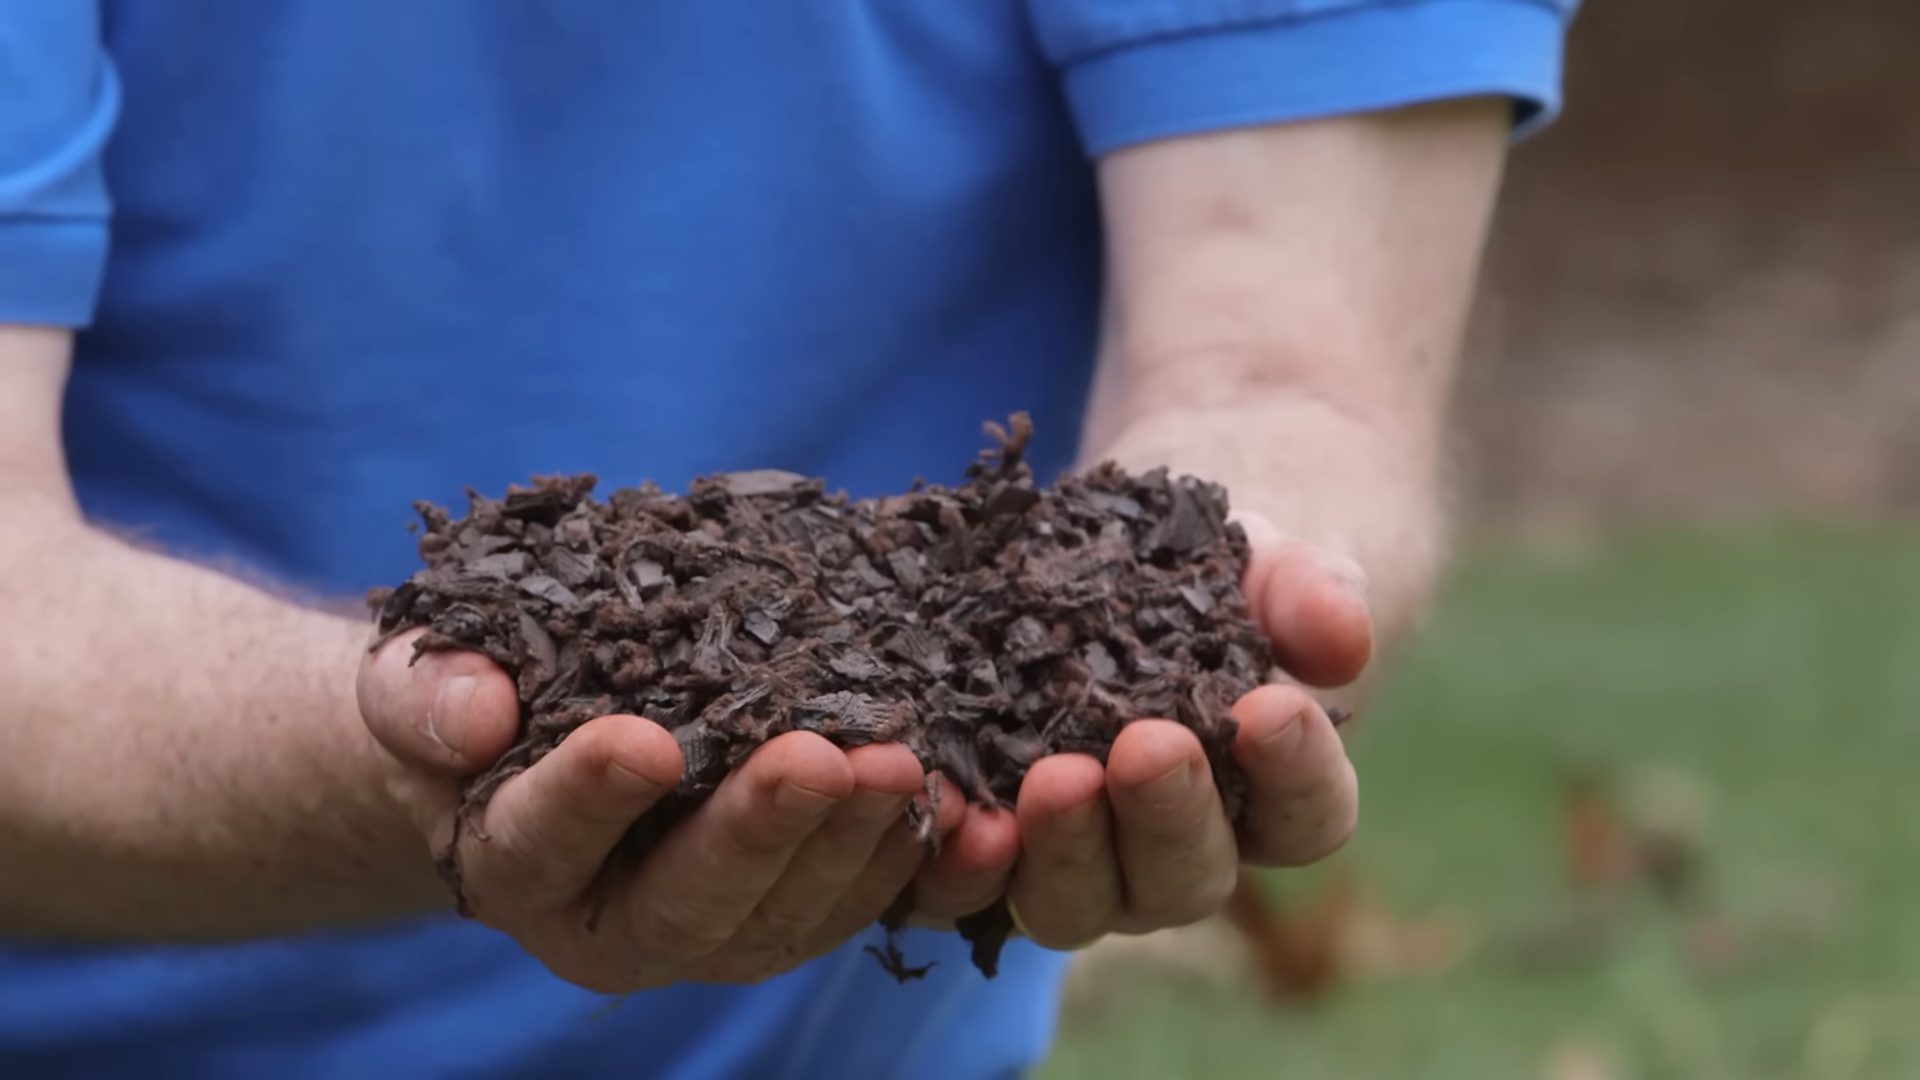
1781,668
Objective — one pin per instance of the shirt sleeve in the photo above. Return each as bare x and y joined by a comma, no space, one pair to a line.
58,102
1143,69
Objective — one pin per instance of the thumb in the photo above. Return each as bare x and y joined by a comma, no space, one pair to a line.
448,712
1311,601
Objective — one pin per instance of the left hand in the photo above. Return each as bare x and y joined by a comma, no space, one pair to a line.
1142,844
1283,315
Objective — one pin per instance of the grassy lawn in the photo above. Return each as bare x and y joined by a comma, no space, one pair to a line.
1780,669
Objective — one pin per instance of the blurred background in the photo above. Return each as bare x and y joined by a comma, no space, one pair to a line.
1642,802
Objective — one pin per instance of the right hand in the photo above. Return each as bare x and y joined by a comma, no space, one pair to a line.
798,850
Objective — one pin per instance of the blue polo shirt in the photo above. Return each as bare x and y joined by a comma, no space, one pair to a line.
330,257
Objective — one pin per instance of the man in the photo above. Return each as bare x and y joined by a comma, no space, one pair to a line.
361,253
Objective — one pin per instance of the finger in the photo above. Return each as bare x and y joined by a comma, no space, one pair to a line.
709,874
1067,884
450,712
899,855
1178,858
1303,796
975,862
885,778
546,834
1312,603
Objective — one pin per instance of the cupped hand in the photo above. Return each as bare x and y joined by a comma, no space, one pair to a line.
798,850
1142,843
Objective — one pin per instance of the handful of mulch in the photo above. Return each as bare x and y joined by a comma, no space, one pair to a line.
983,626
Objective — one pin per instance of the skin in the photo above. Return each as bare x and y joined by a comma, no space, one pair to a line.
1320,404
1284,312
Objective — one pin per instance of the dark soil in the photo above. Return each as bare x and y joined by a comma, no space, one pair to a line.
983,626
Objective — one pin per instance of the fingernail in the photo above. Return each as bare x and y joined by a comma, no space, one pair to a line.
1170,787
1282,742
1348,571
804,802
452,697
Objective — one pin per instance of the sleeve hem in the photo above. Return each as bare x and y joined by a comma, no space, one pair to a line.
1298,69
51,270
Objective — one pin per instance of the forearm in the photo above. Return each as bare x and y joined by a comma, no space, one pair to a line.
180,754
1285,316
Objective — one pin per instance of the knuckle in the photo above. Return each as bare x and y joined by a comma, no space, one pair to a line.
1080,857
1309,845
1209,898
1197,903
760,841
1058,930
678,933
1311,825
781,926
1173,833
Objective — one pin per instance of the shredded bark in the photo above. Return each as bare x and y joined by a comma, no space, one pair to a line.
982,626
